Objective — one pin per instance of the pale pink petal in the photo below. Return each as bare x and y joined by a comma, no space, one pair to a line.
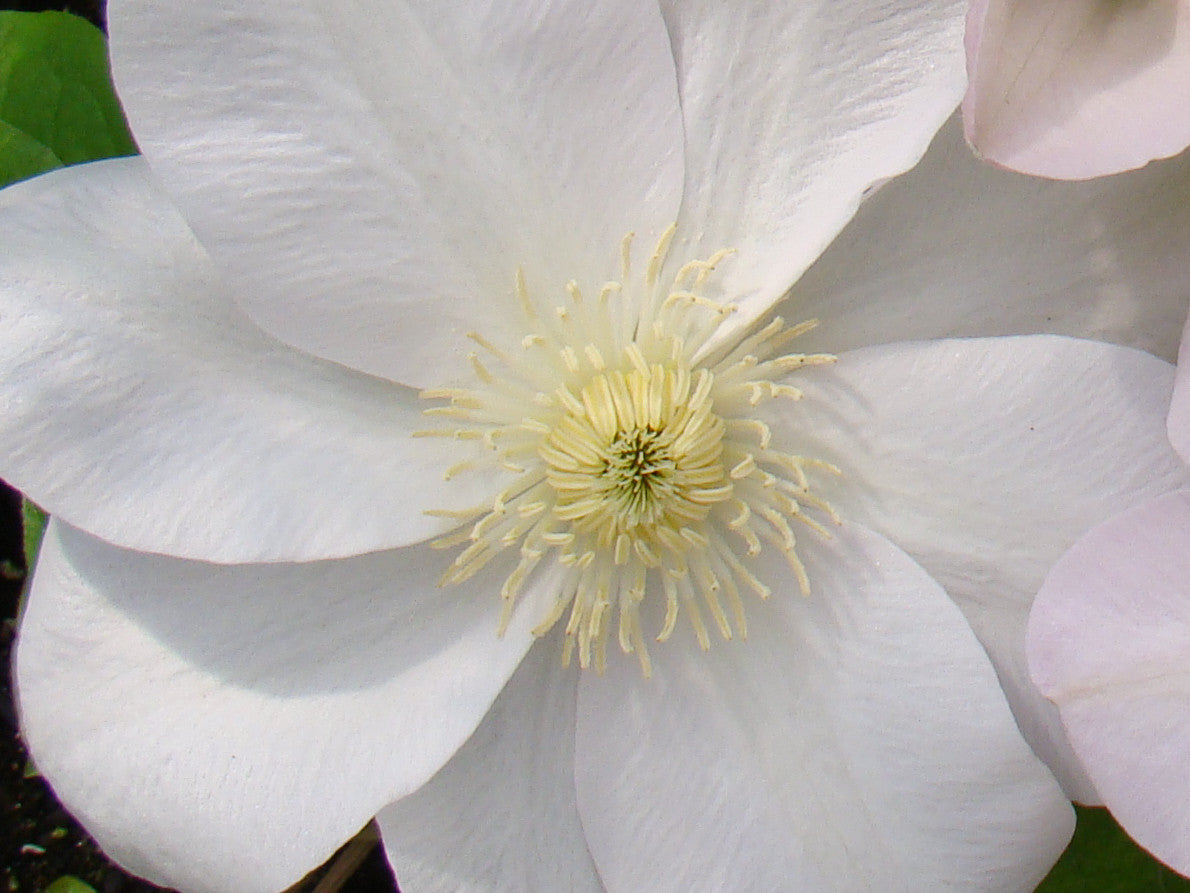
373,175
225,728
501,814
959,248
792,111
141,404
857,740
1109,642
1077,88
985,459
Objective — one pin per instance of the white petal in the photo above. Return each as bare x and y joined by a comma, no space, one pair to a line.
1109,638
985,459
857,740
1178,421
792,111
374,172
137,402
1077,89
956,247
501,814
225,728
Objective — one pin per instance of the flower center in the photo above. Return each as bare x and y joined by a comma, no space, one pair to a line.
638,459
643,451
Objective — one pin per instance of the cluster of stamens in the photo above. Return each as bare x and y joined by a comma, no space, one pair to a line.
633,466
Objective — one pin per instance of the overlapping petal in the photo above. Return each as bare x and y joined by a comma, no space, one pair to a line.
249,719
959,248
501,815
1077,88
375,173
1178,421
782,145
839,747
140,404
985,459
1109,642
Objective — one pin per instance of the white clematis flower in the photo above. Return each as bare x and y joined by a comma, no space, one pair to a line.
235,653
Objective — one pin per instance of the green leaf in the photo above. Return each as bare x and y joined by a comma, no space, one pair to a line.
1102,858
68,883
22,156
57,104
33,522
